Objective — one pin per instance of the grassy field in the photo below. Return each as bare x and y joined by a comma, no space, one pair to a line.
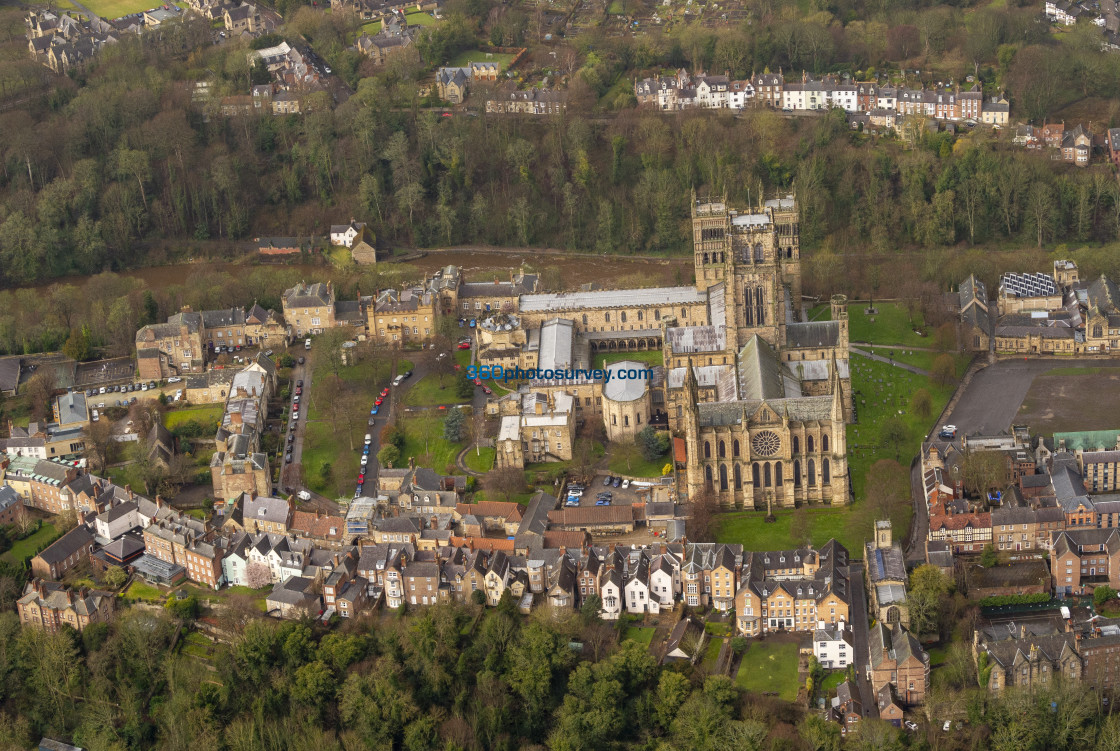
641,634
751,529
481,460
769,667
639,467
29,547
881,391
615,8
711,654
116,8
650,358
141,590
463,59
207,416
890,324
321,446
372,28
425,443
427,392
920,358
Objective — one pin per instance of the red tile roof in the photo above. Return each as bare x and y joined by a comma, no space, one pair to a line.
680,451
961,521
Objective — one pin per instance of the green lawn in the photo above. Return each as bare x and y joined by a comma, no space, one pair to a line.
523,497
111,9
937,656
615,8
372,28
427,392
890,324
638,467
28,547
419,18
481,460
880,391
322,445
832,680
751,529
141,590
641,634
208,416
651,358
424,442
463,59
920,358
711,654
767,666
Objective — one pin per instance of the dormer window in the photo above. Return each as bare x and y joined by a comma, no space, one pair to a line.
261,511
782,559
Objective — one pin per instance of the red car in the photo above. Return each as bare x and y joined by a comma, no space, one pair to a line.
477,381
299,391
385,391
486,390
464,345
362,477
378,402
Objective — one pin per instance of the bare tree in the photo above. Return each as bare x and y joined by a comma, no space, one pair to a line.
984,471
39,390
505,482
700,524
99,442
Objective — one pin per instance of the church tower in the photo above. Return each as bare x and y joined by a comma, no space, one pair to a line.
711,236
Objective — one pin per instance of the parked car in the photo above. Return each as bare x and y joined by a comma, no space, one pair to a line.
911,725
464,345
385,391
268,353
291,437
398,380
375,411
299,383
625,483
948,432
151,384
617,482
95,415
301,360
174,379
307,344
288,458
368,439
408,374
379,402
477,381
607,480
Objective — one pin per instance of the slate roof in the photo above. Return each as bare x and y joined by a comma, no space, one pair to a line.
317,295
67,545
626,298
1051,647
813,334
895,644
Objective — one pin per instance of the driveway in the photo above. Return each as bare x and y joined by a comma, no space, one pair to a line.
993,397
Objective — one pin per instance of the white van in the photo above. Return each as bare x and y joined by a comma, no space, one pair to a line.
95,415
307,344
398,380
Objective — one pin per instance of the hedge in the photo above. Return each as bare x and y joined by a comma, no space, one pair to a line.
1001,600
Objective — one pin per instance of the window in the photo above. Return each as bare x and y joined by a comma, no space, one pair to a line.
796,445
622,316
722,450
812,473
723,477
755,476
735,447
825,480
824,442
607,317
809,443
766,475
584,319
707,450
778,474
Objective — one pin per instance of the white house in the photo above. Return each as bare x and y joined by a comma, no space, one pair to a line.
114,522
664,580
345,234
739,94
610,592
833,646
637,594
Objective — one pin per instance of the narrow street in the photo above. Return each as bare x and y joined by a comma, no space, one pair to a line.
919,524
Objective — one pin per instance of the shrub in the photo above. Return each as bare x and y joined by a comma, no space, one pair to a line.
996,601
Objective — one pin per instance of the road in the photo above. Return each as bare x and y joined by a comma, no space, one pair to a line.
860,630
291,472
915,551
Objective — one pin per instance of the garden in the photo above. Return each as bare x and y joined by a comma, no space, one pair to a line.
770,666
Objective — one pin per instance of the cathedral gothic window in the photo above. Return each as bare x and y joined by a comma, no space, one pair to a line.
755,478
824,442
738,477
797,473
722,450
707,450
766,443
766,475
723,477
708,475
796,445
758,253
735,447
824,472
778,474
812,473
809,443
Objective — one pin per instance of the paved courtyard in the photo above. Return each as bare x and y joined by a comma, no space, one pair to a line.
991,401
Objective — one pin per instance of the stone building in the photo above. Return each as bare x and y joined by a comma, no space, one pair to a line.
886,574
1028,661
309,308
626,400
50,606
535,427
897,659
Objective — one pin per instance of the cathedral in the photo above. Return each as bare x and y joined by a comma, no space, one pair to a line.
759,394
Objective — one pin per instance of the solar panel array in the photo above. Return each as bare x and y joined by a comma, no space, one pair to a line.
1028,285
